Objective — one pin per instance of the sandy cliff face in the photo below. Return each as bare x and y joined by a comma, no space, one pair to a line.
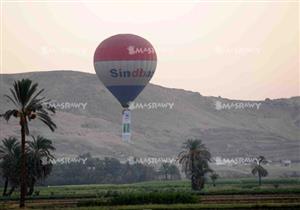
89,120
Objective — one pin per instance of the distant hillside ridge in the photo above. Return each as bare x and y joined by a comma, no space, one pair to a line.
89,120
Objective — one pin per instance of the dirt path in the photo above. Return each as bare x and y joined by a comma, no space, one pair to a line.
204,199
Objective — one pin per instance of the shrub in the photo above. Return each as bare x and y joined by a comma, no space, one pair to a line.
87,203
248,186
153,198
143,198
37,193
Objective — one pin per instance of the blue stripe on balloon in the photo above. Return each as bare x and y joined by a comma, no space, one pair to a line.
125,93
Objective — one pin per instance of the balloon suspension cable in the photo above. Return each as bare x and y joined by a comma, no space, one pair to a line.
126,125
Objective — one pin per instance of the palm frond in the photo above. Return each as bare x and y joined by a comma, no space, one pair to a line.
46,120
26,97
13,101
7,115
24,86
8,146
17,92
31,90
36,95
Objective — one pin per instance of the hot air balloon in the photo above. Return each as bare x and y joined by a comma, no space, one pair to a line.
125,63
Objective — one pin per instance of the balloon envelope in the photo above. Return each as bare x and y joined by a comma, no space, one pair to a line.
125,63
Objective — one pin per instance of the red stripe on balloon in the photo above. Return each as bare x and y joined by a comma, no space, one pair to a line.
124,47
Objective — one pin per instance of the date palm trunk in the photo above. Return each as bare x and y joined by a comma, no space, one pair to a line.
23,165
194,182
5,187
194,177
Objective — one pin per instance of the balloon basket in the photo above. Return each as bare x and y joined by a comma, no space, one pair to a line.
126,126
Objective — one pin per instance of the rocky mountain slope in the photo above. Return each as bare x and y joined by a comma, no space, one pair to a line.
240,129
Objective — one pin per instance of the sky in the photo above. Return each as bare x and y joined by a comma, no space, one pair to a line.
240,50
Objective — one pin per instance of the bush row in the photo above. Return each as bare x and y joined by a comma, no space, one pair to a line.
143,198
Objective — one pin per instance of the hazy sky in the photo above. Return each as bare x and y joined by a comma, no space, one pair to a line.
247,50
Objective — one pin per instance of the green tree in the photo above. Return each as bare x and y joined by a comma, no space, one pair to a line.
194,159
36,151
174,172
10,160
169,171
39,160
165,170
258,169
214,176
27,106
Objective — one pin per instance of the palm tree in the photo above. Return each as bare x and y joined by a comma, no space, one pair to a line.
10,163
40,150
194,159
258,169
174,172
7,156
165,170
169,171
24,96
37,150
214,176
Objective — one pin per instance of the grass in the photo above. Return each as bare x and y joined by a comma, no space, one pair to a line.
146,192
224,186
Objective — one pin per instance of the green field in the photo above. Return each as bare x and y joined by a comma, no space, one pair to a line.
228,194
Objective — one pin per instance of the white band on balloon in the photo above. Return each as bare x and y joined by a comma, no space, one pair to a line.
115,73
